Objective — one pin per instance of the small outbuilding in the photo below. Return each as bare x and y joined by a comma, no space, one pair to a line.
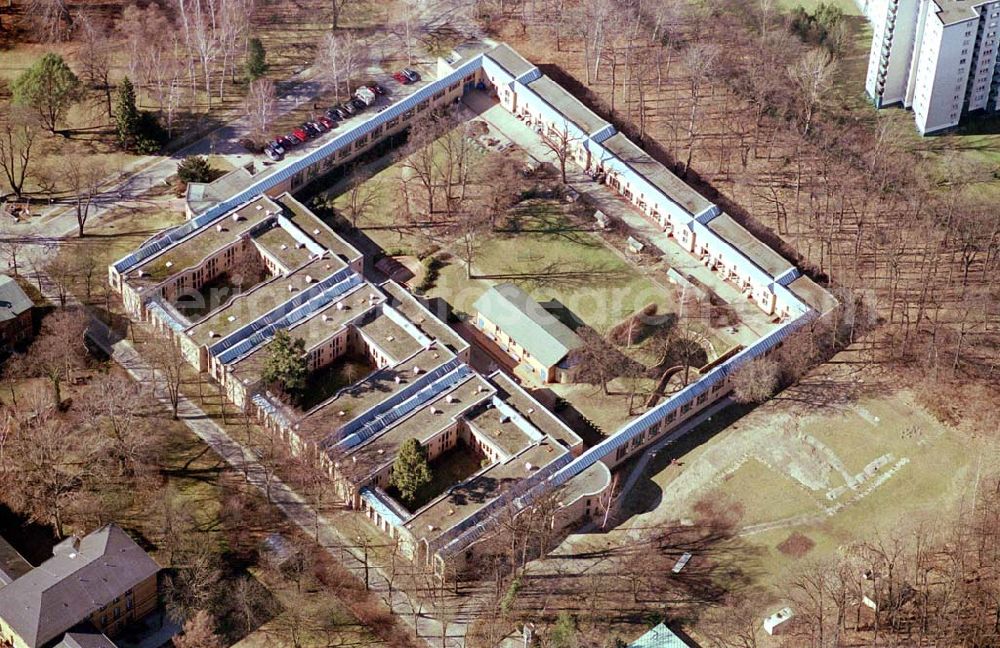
15,314
777,622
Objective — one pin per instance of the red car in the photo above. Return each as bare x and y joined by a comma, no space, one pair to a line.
402,78
300,135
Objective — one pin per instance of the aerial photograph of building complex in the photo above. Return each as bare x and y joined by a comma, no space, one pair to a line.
499,324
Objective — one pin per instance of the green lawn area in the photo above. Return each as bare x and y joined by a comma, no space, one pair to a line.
447,469
326,382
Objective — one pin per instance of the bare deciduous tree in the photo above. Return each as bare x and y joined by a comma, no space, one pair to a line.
18,132
261,105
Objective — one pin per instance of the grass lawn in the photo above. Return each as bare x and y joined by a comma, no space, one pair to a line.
326,382
310,618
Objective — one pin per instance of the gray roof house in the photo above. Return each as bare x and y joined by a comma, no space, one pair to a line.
13,300
12,564
82,576
528,323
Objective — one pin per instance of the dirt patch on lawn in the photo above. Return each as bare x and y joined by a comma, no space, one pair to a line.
796,545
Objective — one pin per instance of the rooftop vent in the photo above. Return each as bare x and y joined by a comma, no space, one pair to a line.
213,334
291,288
169,264
284,247
399,379
231,318
451,511
340,305
329,267
237,218
528,466
380,451
531,410
315,231
389,338
218,228
299,245
341,413
309,279
504,419
434,410
417,370
450,398
326,318
430,527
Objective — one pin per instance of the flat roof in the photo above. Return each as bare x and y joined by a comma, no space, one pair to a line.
318,230
506,57
491,423
957,11
567,105
314,330
423,319
535,413
656,174
422,424
202,195
252,305
752,248
282,246
390,337
588,483
192,250
466,498
815,296
377,387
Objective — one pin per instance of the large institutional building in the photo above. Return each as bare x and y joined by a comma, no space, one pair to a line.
252,260
938,57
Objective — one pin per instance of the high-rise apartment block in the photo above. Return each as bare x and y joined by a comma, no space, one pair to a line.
938,57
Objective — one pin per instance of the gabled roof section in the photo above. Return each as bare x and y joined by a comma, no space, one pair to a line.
567,105
507,58
82,575
530,325
85,639
749,245
13,300
656,174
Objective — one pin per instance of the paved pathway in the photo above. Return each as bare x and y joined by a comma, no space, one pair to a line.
754,323
282,496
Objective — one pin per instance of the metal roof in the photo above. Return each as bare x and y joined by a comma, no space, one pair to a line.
527,323
13,300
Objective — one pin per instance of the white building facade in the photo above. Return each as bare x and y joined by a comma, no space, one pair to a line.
937,57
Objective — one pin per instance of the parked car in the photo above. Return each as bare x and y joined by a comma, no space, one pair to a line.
310,130
341,113
272,153
365,95
278,145
327,122
289,141
377,89
402,78
357,103
412,75
300,135
331,114
318,125
349,107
